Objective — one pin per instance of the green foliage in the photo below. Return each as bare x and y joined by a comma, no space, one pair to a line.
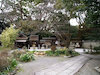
91,9
27,26
59,4
38,1
12,67
61,22
18,53
31,52
74,31
93,34
97,49
22,55
44,34
4,49
3,26
13,63
92,19
8,37
75,53
7,63
4,61
50,53
61,52
73,6
27,57
3,73
56,52
93,13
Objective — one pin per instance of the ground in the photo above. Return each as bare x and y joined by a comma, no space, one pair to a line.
79,65
40,63
88,68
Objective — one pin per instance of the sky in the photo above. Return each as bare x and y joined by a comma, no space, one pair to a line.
73,22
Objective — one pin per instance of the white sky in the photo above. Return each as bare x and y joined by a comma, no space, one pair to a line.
73,22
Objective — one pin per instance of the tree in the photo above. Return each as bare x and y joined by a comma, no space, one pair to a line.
93,13
91,10
59,24
72,8
27,27
3,26
92,20
74,32
8,37
13,10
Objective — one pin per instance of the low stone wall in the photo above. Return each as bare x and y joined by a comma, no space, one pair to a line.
86,44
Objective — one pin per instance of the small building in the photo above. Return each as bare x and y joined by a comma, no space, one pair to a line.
47,42
21,41
76,42
34,40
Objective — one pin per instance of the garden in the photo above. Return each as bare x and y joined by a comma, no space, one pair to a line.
46,28
10,59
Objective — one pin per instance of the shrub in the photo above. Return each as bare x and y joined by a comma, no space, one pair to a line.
4,49
8,37
4,62
13,63
18,53
50,53
7,63
97,49
10,69
72,53
67,53
56,52
53,48
3,73
25,48
31,52
75,53
26,57
61,52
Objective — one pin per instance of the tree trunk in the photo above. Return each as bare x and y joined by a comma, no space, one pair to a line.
68,37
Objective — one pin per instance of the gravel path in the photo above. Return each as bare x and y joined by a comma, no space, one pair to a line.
39,64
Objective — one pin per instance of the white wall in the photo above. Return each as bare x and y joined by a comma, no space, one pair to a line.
86,44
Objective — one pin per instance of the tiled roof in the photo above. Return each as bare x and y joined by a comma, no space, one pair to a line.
34,38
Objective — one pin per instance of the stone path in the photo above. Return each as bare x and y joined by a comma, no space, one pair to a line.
53,66
69,67
89,67
39,64
79,65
